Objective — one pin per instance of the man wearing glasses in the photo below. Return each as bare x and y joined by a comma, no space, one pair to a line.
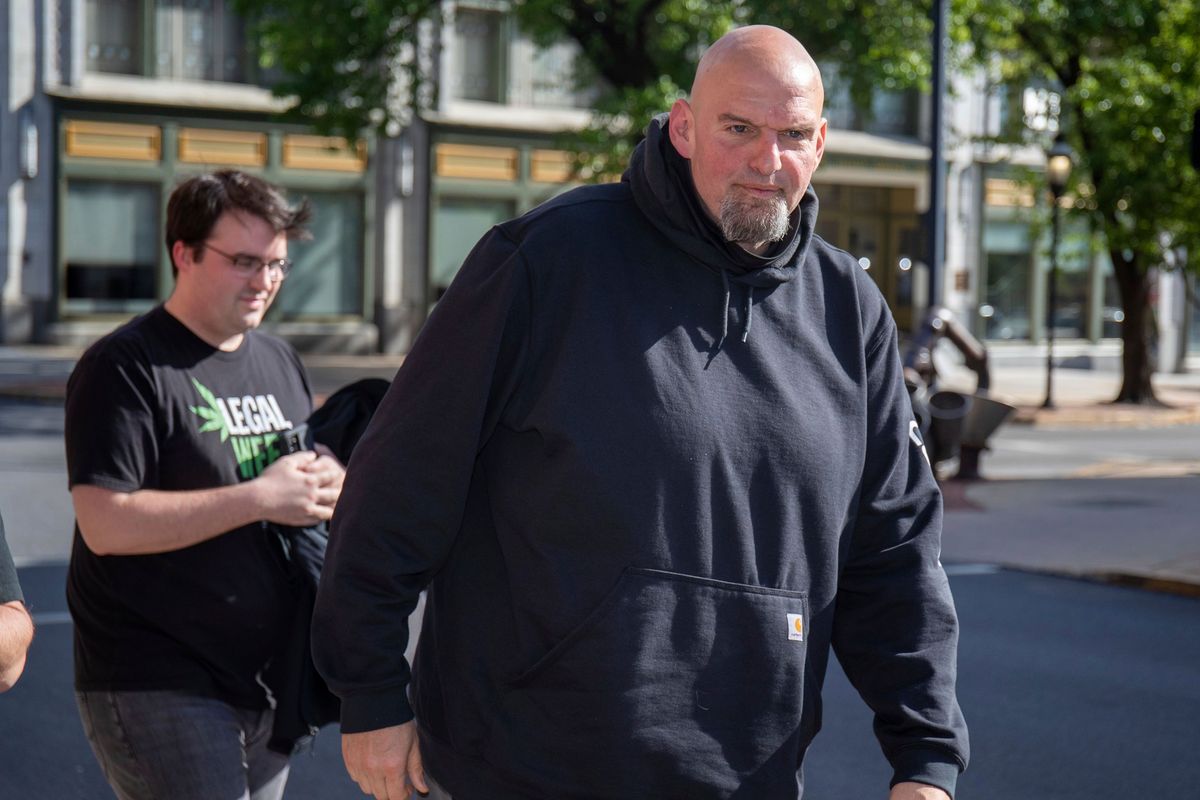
174,452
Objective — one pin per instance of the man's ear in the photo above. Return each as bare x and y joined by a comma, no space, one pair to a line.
182,256
820,143
682,128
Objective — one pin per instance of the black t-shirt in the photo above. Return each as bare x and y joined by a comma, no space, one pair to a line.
152,406
10,588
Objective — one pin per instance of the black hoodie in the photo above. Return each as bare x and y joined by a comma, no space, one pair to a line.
641,536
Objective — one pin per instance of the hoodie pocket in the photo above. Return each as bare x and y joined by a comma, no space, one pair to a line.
675,686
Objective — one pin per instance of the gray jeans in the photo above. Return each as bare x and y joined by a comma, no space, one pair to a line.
159,744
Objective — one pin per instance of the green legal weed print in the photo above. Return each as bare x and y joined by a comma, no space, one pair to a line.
250,423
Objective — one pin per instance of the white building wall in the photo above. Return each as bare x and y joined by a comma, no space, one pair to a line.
26,157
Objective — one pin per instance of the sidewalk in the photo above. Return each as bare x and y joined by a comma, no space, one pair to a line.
1064,524
39,373
1082,397
1128,531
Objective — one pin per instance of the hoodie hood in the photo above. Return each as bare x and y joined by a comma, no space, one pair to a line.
661,181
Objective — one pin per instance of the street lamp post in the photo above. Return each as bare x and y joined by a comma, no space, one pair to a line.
1059,160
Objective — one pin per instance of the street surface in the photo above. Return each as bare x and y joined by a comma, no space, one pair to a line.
1072,689
1033,452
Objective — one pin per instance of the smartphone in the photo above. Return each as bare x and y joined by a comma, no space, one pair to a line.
296,440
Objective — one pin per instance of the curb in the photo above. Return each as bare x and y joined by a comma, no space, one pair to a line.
1127,580
1178,588
1106,415
42,394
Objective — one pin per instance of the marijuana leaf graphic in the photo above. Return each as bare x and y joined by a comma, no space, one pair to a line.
214,420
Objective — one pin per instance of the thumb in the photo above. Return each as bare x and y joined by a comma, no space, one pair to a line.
416,771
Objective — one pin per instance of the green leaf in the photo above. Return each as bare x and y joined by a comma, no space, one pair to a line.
209,414
207,395
215,419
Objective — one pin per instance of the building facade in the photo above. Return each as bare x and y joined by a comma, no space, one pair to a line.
110,102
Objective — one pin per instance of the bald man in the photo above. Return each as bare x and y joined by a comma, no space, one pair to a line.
653,457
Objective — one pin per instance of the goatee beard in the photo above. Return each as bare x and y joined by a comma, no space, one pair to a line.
753,221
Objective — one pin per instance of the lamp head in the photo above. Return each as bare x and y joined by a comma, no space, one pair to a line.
1059,161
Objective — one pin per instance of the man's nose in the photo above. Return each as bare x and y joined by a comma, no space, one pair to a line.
766,159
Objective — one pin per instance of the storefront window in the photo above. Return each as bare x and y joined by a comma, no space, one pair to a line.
119,170
1005,310
458,223
1074,279
112,244
1111,314
1193,314
326,279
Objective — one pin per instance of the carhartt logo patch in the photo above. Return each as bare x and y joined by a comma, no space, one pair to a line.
796,627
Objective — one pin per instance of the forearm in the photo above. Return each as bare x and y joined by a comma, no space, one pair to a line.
298,490
152,521
16,633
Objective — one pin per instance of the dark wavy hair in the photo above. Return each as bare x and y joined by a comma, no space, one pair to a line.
198,202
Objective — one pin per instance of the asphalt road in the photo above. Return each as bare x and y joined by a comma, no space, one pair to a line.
1072,689
45,755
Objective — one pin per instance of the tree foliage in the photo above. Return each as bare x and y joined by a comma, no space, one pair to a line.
1129,73
1128,70
356,64
351,65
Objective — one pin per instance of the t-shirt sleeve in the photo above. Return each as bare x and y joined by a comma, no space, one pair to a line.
10,587
110,428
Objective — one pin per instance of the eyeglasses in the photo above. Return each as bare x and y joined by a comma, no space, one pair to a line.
248,266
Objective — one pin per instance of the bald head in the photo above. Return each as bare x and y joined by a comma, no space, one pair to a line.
752,131
763,50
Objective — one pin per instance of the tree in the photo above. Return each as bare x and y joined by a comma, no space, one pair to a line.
357,64
1129,73
350,66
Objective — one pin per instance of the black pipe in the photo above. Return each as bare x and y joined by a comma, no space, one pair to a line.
935,222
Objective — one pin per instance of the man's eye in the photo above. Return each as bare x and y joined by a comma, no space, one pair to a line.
739,128
794,135
246,262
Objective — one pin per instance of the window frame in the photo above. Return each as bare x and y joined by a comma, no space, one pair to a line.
523,192
222,9
169,169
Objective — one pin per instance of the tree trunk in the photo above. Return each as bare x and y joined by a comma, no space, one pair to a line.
1136,369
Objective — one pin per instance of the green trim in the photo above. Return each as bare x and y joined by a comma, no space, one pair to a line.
149,35
523,193
168,170
880,164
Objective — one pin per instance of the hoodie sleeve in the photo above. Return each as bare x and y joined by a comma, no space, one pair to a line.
406,484
895,627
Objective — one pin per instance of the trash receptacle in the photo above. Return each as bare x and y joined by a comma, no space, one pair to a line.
948,412
984,416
